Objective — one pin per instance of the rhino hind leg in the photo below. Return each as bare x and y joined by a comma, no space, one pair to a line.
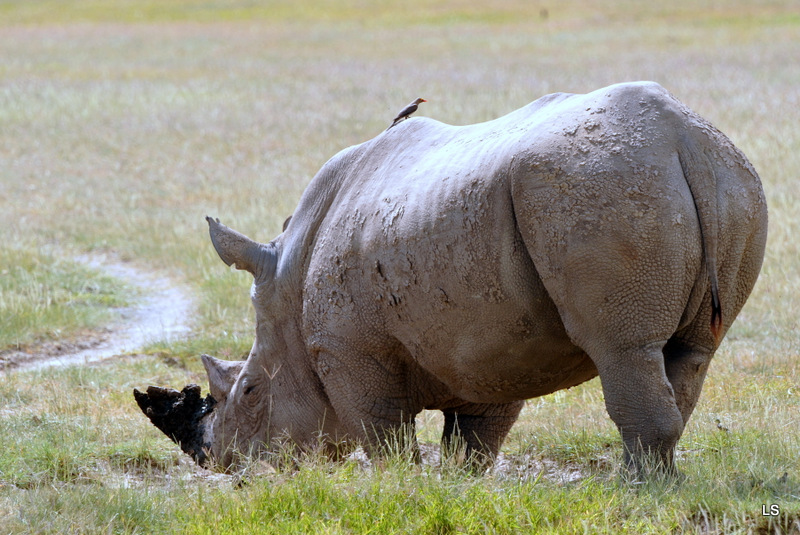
686,365
641,401
478,430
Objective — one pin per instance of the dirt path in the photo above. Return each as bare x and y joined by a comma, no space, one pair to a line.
162,313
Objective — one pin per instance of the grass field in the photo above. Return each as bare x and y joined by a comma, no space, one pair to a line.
123,123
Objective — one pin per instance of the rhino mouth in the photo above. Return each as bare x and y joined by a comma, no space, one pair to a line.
179,415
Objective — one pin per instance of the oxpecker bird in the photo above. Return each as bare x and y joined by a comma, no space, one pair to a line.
408,110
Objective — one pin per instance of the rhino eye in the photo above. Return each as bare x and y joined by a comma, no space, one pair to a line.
249,389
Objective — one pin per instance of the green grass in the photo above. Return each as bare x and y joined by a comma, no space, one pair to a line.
386,13
125,123
43,296
68,466
411,500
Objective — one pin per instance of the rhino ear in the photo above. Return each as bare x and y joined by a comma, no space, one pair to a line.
221,375
236,248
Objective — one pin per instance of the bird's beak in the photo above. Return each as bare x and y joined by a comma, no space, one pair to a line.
423,100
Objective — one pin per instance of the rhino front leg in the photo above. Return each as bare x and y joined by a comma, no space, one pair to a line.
641,402
478,428
372,401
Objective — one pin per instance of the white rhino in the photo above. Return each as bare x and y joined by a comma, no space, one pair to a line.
469,268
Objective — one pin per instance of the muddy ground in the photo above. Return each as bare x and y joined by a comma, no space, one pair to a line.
161,313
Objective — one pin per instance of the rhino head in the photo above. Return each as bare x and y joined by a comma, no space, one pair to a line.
272,395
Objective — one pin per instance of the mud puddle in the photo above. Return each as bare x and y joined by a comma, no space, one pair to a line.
510,467
161,313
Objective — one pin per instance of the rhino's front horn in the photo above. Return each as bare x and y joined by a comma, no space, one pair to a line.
178,415
221,375
237,249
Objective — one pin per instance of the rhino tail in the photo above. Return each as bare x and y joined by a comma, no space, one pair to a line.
698,170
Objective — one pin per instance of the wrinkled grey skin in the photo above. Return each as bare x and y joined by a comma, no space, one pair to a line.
467,269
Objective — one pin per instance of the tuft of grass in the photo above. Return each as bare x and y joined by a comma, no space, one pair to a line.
87,509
